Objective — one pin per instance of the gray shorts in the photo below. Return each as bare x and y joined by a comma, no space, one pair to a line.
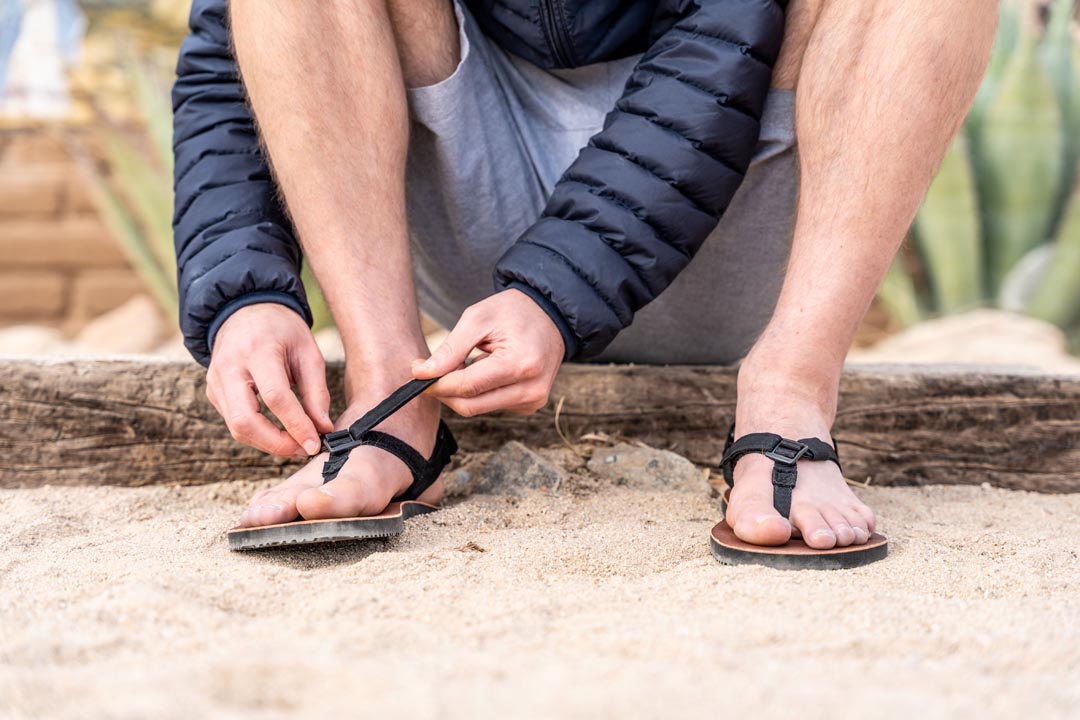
489,143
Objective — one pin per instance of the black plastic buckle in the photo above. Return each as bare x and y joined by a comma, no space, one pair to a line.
338,440
787,452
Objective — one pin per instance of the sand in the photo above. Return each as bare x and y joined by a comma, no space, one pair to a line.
597,602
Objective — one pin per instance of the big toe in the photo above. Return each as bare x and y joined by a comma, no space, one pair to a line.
757,522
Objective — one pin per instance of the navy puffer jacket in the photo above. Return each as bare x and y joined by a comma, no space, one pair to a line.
623,221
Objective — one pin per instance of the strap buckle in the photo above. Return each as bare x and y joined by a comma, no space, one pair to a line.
338,441
787,452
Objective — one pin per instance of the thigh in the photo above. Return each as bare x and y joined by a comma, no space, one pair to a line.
722,301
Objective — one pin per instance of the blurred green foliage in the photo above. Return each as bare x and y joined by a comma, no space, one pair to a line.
125,155
1000,225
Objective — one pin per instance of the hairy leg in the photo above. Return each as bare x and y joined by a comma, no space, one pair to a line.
882,87
327,83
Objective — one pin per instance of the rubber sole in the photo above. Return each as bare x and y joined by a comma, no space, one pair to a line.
794,554
389,523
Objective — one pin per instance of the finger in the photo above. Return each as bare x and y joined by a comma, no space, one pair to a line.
309,370
247,424
518,398
453,351
274,388
212,391
476,379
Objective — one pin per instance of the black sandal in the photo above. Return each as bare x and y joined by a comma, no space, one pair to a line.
339,444
794,554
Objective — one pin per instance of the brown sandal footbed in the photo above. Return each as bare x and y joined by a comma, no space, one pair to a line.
794,554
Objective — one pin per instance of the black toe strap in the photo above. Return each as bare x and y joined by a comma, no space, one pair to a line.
785,455
424,470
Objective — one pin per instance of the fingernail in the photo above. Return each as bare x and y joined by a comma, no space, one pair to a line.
312,447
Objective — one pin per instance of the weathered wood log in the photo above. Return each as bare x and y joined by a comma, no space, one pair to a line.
142,422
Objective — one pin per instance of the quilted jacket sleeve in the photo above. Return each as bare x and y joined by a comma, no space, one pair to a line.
234,244
634,207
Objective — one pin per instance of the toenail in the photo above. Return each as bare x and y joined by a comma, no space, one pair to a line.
823,533
324,491
279,508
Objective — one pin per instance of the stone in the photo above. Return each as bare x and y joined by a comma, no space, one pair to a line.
173,349
134,327
329,342
646,468
981,337
514,468
31,340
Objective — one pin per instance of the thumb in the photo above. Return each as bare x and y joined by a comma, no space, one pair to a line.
451,353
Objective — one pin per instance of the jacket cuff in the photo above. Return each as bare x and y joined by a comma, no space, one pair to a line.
253,298
570,340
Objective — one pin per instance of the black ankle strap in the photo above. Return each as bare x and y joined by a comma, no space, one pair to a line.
424,470
785,455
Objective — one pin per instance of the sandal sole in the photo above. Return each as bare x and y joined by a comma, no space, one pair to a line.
389,523
795,554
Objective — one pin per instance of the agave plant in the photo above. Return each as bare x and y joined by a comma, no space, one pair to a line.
1000,224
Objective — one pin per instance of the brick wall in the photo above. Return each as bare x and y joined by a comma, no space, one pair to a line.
58,264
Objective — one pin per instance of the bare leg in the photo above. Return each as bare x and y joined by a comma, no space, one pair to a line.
883,86
327,83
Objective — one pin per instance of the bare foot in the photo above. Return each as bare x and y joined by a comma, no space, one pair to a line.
368,481
824,510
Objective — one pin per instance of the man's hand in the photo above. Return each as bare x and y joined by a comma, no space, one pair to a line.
523,350
262,350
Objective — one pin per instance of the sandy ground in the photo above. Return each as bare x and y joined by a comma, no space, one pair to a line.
604,601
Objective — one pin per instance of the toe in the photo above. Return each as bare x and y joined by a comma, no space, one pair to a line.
858,526
816,531
756,521
278,504
842,529
869,520
350,494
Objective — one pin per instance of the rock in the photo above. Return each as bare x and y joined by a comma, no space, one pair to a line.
329,342
984,337
173,349
23,340
514,468
134,327
646,468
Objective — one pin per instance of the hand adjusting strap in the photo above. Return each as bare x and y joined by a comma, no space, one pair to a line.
424,470
785,455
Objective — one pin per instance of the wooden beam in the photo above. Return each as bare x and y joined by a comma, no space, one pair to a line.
128,422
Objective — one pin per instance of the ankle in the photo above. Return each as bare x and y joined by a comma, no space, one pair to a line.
792,404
